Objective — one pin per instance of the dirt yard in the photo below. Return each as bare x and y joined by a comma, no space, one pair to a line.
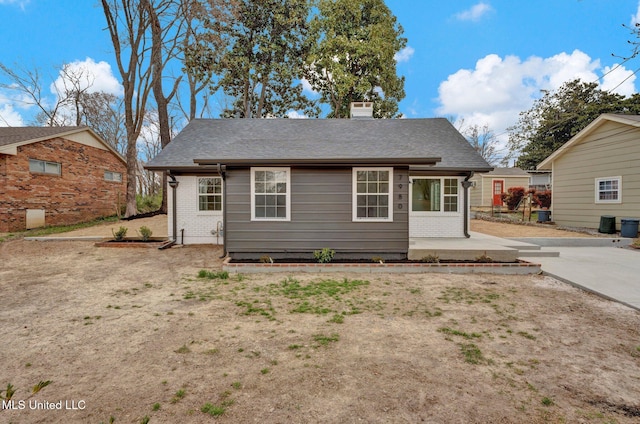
135,335
501,229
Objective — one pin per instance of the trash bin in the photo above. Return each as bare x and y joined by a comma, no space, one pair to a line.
607,224
629,227
544,216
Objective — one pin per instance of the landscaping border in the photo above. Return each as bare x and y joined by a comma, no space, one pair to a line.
520,268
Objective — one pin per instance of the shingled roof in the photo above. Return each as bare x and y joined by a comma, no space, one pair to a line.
13,135
320,141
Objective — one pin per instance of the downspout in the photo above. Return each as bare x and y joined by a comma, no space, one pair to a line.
173,183
465,185
222,170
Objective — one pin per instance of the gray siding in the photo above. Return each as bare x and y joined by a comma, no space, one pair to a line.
611,150
321,216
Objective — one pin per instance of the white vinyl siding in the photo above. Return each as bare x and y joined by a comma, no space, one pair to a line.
270,194
372,194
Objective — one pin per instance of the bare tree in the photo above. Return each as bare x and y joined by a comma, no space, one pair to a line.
30,86
127,23
484,141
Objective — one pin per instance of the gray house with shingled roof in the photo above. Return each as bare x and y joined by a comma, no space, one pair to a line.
287,187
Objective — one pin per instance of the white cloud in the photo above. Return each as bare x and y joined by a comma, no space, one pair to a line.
475,13
618,79
9,117
498,89
94,76
636,18
307,88
404,55
294,114
20,3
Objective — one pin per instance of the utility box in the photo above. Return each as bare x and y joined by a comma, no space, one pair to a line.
607,224
34,218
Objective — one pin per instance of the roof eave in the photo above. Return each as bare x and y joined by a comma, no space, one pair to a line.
322,162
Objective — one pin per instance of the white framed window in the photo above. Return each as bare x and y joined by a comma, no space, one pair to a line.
209,194
270,194
435,194
372,194
44,167
609,190
113,176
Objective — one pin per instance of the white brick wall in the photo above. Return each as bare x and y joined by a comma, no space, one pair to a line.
197,225
436,226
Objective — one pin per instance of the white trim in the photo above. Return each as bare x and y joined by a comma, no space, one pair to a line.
198,194
441,212
619,190
354,195
287,170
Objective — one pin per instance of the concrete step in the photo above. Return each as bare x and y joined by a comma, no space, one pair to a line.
538,254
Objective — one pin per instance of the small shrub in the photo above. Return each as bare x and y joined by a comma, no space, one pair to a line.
325,255
120,234
484,258
266,259
145,233
378,259
541,198
513,196
430,259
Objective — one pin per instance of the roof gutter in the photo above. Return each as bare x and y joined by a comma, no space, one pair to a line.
324,162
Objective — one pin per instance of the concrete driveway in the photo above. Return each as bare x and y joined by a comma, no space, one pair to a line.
612,272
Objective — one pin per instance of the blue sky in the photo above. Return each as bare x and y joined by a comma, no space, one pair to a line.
483,61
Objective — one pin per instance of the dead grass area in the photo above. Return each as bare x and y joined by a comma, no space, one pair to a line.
503,229
143,333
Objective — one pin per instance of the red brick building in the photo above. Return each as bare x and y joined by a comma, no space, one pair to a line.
57,176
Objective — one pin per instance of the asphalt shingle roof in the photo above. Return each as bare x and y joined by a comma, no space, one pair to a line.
222,140
12,135
514,172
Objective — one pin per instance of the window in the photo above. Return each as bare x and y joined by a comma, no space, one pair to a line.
210,194
270,194
113,176
434,195
372,191
44,167
609,190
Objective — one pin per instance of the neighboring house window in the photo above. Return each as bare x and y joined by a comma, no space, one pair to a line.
434,195
44,167
372,190
270,194
113,176
609,190
210,194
